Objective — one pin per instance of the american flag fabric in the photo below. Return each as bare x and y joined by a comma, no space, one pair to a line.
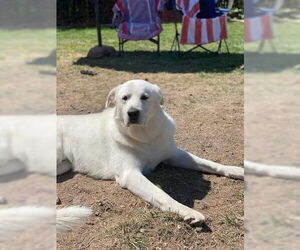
139,19
200,31
258,28
203,31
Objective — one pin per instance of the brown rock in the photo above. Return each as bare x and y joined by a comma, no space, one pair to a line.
98,52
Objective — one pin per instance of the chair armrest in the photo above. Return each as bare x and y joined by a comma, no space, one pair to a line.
228,7
224,10
267,10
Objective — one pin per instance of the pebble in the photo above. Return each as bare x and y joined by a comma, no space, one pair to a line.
58,201
3,201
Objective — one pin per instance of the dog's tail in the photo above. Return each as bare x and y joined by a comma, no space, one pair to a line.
70,217
19,218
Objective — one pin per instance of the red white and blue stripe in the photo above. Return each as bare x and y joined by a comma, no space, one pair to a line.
258,28
200,31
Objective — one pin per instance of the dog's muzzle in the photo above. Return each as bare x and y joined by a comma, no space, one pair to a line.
133,115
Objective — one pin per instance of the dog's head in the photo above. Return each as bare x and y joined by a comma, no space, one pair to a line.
136,102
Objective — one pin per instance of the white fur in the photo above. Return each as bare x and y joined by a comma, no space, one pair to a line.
70,217
283,172
107,146
20,218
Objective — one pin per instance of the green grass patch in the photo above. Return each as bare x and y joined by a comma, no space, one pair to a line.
141,56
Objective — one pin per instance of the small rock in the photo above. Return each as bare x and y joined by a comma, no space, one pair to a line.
100,51
100,203
198,229
58,201
3,201
241,218
88,72
97,214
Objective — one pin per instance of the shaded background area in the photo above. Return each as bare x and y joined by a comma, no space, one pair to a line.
29,14
82,14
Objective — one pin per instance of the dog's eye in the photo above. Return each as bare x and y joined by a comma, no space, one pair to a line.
125,98
144,97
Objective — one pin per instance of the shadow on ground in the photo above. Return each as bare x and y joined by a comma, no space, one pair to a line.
270,62
14,176
183,185
66,176
151,62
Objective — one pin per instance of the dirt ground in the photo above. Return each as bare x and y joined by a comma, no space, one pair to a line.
208,111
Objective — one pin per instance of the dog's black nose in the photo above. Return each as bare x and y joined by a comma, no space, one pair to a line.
133,115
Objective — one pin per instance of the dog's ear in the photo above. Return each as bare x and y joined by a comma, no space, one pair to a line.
161,97
111,98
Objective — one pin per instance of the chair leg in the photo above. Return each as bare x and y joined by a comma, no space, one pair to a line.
207,50
123,41
227,48
260,47
158,44
176,43
219,47
190,50
120,48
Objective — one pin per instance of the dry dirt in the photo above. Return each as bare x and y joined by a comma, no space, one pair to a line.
208,111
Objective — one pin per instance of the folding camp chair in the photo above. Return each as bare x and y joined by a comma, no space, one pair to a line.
202,23
137,20
259,23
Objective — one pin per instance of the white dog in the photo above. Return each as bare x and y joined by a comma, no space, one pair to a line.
127,140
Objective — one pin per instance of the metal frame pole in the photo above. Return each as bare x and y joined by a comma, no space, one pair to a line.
98,23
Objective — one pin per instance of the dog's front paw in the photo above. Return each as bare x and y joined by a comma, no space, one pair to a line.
235,172
193,217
